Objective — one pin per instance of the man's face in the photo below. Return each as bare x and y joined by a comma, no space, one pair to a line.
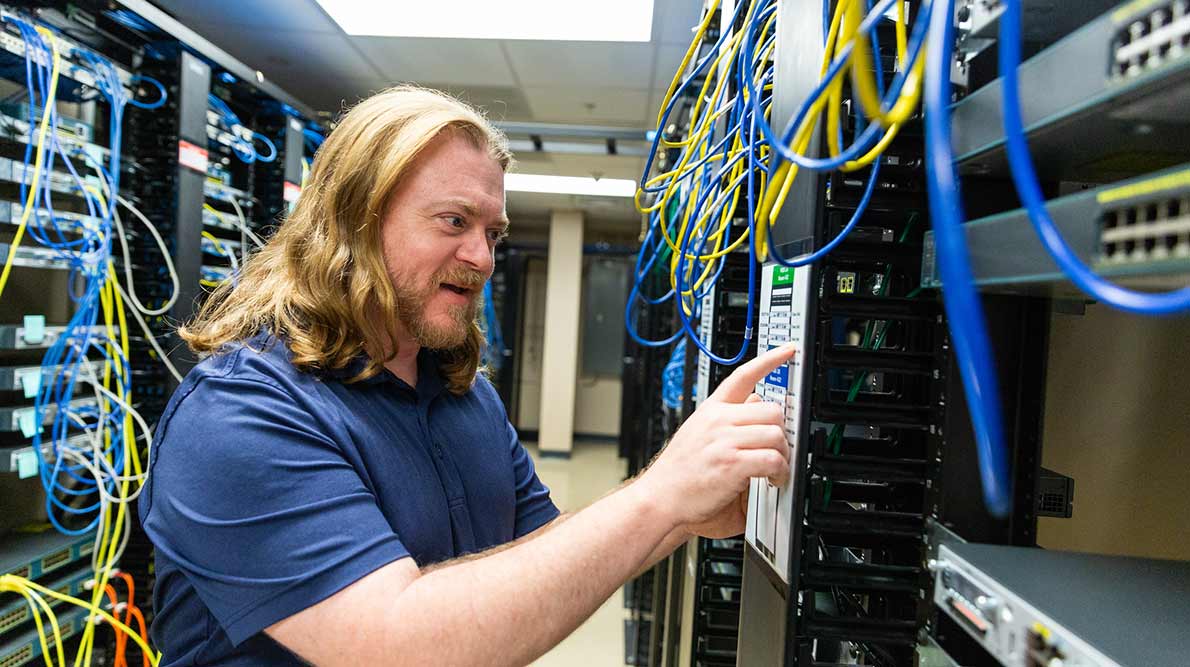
439,233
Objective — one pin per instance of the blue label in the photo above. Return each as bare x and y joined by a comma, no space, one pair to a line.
778,377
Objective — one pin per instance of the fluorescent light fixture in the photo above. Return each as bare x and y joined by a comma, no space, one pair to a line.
570,185
574,20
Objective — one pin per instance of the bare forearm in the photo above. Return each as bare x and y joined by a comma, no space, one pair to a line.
527,598
676,538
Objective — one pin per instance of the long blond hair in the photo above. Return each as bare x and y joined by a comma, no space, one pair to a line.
320,282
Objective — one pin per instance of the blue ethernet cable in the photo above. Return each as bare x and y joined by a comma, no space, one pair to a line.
960,299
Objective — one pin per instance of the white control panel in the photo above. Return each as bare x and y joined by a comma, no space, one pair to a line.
784,317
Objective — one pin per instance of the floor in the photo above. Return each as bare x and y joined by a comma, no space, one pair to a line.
592,470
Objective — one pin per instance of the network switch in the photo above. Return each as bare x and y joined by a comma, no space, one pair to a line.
34,555
1030,607
1139,228
1101,104
16,612
23,337
26,648
23,419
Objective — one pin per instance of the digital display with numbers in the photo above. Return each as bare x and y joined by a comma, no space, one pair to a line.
846,282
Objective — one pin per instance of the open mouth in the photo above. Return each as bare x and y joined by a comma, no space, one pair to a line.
456,289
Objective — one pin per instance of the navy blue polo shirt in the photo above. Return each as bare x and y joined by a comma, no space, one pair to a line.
271,489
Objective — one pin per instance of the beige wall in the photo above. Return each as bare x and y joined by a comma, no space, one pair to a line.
1118,422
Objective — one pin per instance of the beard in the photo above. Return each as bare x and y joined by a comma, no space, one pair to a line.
413,299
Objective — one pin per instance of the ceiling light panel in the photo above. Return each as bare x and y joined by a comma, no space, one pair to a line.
570,185
570,20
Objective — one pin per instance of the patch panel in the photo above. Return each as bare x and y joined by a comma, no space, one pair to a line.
13,419
18,378
16,612
21,337
216,273
12,460
34,555
221,192
210,219
10,41
32,257
10,212
209,246
27,647
58,181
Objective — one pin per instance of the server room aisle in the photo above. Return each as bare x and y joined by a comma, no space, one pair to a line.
592,470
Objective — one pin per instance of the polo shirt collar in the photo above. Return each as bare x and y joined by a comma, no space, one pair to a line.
429,375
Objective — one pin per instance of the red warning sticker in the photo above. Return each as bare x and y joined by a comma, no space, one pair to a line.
292,191
192,156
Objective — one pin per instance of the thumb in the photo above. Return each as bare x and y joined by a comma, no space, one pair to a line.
753,398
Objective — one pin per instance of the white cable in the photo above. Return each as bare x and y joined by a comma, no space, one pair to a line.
231,257
244,222
169,262
161,355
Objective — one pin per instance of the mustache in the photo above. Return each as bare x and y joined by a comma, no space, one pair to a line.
461,276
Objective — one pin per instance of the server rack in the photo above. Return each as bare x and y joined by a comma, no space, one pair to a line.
170,169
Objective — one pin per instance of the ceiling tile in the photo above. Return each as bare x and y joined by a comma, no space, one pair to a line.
338,94
601,64
500,103
271,14
452,61
587,105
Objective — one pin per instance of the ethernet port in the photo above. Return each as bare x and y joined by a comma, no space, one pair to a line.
1129,247
1138,29
1109,250
1170,242
1174,208
1111,220
1040,650
1130,217
1150,244
1151,212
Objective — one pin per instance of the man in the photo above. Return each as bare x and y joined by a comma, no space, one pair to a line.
334,483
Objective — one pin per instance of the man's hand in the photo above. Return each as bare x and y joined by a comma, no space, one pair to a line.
699,478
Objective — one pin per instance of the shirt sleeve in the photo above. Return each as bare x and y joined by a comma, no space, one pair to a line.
534,508
257,504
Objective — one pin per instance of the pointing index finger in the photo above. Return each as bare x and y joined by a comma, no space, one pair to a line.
737,386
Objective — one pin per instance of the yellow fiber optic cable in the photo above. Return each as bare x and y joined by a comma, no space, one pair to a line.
38,160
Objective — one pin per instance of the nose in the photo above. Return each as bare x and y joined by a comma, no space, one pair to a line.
476,252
